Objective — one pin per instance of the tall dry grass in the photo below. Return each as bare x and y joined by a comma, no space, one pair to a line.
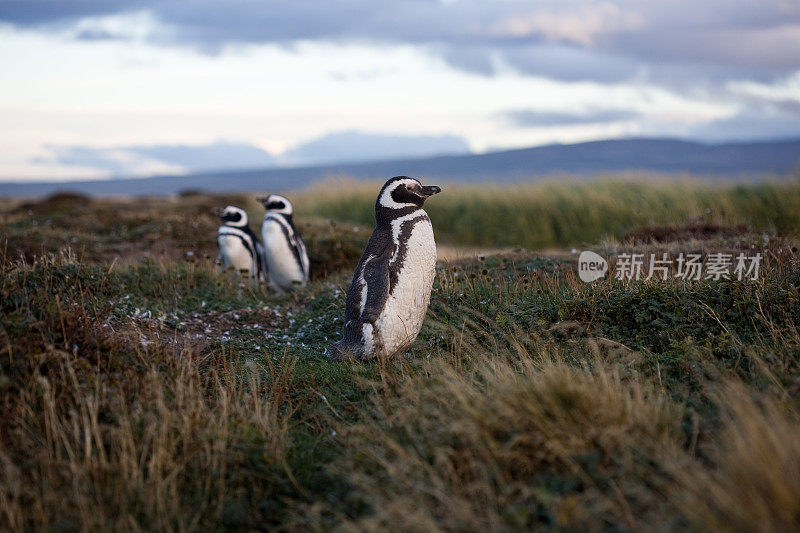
755,479
106,426
513,446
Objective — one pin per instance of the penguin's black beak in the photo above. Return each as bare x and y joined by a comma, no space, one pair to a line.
429,190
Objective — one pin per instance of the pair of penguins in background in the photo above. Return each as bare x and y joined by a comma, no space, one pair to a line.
391,286
281,260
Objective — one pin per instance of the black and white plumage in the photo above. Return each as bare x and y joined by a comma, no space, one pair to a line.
285,253
238,245
391,286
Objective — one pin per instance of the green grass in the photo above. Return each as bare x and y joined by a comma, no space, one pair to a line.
563,213
159,393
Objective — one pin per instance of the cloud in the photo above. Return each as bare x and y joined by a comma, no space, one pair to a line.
579,39
118,162
347,146
771,106
97,34
791,107
208,157
526,118
31,13
351,146
568,62
161,159
749,126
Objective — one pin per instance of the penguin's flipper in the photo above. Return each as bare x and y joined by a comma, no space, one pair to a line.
303,255
376,276
298,246
261,258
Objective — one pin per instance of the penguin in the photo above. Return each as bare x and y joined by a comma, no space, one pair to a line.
238,245
391,285
284,251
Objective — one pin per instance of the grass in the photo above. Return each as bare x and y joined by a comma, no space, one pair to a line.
154,392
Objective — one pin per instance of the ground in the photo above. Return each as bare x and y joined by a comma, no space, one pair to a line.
145,388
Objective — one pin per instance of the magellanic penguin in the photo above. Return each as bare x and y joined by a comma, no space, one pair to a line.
238,245
286,257
391,286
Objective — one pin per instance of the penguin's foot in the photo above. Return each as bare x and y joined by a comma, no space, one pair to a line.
341,352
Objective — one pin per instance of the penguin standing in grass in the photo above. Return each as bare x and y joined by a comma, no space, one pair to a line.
391,286
285,253
238,245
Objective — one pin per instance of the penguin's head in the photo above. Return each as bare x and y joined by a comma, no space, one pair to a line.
275,203
233,216
402,192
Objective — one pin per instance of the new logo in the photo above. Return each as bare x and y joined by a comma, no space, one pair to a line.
591,266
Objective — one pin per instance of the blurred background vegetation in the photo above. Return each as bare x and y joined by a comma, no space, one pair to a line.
570,212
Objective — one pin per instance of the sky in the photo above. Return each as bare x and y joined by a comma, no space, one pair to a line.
101,88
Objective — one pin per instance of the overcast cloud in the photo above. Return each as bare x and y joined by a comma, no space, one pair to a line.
336,147
561,39
528,118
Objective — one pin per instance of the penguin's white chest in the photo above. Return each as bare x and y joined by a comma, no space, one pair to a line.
233,251
399,323
284,270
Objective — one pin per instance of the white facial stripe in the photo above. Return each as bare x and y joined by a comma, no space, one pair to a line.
386,199
230,210
278,198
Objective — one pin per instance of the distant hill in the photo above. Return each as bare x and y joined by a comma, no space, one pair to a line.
750,161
